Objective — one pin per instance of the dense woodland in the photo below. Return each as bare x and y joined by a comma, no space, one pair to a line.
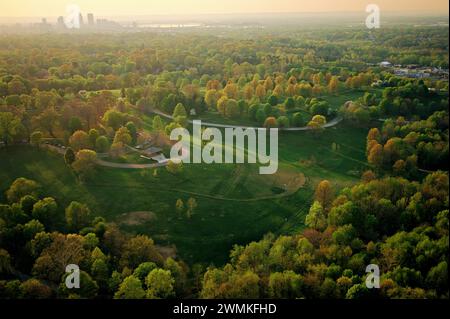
90,93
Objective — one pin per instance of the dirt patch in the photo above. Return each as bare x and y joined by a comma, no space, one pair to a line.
167,251
290,181
136,218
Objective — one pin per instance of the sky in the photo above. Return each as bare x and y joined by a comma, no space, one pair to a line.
54,8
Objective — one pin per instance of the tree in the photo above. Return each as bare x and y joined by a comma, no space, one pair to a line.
102,144
122,136
47,120
260,115
26,204
160,284
5,262
174,167
75,124
179,111
132,131
283,122
273,100
298,120
114,119
69,156
375,156
289,103
232,109
139,249
80,140
32,228
20,188
16,86
324,194
93,135
317,122
88,287
63,250
211,99
374,134
77,216
85,162
316,218
45,211
158,125
35,289
270,122
333,85
260,92
142,271
9,125
286,285
222,105
179,206
191,206
130,288
36,138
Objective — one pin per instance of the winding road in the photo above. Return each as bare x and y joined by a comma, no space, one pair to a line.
332,123
104,163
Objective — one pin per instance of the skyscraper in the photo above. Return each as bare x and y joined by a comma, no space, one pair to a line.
90,18
60,22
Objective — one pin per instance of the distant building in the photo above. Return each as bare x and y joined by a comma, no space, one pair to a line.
80,19
90,18
60,22
385,64
44,20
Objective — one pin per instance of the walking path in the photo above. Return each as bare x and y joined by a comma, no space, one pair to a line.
332,123
104,163
129,166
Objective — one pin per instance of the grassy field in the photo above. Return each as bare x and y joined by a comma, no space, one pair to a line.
235,204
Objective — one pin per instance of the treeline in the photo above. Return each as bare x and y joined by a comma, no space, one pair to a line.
39,239
398,225
403,147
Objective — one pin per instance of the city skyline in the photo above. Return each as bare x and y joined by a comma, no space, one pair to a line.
47,8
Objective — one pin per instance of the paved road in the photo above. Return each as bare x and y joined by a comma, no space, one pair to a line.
129,166
101,162
332,123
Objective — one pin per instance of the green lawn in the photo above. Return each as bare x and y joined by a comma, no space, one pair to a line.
230,209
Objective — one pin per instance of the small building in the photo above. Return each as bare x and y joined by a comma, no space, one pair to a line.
385,64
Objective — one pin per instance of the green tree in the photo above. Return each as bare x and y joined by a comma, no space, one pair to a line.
20,188
138,250
179,111
77,216
102,144
85,162
46,211
69,156
160,284
80,140
316,218
130,288
158,125
36,138
9,126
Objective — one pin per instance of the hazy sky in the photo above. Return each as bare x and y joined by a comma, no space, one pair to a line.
52,8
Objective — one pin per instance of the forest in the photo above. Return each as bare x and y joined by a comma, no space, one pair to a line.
363,164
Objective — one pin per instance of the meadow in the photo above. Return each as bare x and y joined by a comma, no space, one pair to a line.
235,204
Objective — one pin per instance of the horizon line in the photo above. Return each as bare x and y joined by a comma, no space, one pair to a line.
407,12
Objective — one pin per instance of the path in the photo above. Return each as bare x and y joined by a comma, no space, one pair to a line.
332,123
104,163
129,166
